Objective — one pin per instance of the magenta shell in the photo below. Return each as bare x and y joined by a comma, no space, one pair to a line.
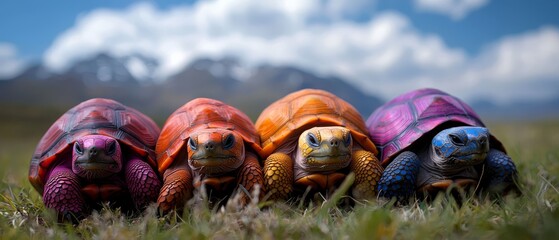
95,116
399,123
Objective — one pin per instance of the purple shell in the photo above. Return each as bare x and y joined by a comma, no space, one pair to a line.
397,124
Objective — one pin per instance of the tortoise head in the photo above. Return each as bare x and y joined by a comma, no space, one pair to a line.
323,149
215,151
96,156
459,147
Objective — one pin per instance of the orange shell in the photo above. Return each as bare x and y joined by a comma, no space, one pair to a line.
283,121
95,116
198,114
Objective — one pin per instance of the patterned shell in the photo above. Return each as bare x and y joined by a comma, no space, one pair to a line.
198,114
400,122
282,122
95,116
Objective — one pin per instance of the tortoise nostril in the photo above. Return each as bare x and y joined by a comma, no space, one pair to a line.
93,151
334,143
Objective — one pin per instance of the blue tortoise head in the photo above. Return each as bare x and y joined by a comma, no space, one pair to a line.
460,146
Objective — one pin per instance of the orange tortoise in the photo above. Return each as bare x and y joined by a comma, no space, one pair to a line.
312,138
207,142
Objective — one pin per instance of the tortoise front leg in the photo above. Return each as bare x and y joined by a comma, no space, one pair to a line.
142,182
500,174
177,187
250,175
63,194
399,177
278,176
367,171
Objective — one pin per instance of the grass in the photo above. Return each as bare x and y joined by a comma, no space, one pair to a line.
534,215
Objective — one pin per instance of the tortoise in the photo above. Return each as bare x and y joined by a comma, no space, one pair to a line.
430,140
312,139
99,150
207,142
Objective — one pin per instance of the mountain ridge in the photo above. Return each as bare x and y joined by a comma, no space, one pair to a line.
109,77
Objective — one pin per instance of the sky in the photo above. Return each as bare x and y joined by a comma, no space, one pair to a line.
505,51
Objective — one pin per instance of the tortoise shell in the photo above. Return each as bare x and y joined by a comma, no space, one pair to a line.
397,124
281,123
198,114
134,131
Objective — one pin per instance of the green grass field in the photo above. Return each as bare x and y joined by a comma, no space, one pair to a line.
534,215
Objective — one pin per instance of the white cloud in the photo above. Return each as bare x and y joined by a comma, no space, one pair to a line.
520,66
456,9
10,63
385,55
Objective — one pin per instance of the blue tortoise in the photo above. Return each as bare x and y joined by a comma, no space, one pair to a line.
429,140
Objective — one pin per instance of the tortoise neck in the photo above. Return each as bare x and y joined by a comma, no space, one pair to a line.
431,172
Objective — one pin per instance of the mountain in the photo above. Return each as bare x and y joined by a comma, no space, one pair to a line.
130,81
270,83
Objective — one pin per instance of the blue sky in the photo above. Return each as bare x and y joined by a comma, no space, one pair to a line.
386,46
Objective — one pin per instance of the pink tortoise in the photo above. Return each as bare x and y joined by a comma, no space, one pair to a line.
99,150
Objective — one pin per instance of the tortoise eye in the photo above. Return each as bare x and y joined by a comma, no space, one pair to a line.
229,141
456,140
347,140
483,141
112,148
312,140
78,148
192,144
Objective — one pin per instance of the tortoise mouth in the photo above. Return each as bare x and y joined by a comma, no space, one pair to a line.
93,170
470,155
215,164
213,160
469,159
328,159
97,164
326,163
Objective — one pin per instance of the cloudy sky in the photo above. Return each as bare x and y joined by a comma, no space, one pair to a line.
502,50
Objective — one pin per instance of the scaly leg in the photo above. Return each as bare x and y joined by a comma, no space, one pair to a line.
250,175
63,194
177,187
367,171
398,179
142,182
500,175
278,176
